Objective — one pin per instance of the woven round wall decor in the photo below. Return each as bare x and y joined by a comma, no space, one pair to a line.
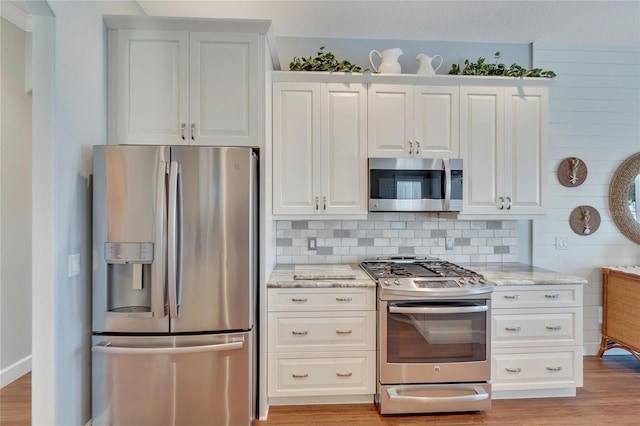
584,220
572,171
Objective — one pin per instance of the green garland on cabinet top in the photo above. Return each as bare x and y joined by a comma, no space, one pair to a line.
325,61
483,68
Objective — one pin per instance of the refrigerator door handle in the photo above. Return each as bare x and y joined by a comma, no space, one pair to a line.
180,241
107,348
158,288
172,238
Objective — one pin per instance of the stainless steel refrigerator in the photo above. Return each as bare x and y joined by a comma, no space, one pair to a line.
174,285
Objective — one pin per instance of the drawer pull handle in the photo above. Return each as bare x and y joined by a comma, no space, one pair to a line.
553,296
512,296
558,368
554,327
299,299
349,374
513,370
344,299
299,333
343,332
300,376
518,328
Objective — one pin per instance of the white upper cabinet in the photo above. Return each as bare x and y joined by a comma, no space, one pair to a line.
413,121
503,133
319,149
181,87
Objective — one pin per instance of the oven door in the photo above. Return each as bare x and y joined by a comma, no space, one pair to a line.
434,341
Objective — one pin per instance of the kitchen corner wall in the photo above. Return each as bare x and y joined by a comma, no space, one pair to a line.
350,241
594,114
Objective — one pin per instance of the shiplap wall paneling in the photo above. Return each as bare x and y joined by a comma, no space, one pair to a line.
594,114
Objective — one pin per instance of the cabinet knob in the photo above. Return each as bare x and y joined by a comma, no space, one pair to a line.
317,203
554,327
324,203
553,296
193,131
183,126
300,376
513,370
343,299
344,332
508,203
558,368
299,299
512,296
410,147
501,203
299,333
417,147
515,329
349,374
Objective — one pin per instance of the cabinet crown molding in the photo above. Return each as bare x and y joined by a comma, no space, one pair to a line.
409,79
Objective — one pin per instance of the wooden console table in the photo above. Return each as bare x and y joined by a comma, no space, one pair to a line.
621,309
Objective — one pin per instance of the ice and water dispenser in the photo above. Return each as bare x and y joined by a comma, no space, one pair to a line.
129,278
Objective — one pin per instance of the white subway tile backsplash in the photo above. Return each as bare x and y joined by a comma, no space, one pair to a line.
350,241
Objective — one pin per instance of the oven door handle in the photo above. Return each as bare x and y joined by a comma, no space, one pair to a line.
479,395
438,310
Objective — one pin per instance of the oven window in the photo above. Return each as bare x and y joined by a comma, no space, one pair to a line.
407,184
417,337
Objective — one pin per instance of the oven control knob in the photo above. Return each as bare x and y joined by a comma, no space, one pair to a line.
385,282
397,282
472,280
436,368
482,280
461,280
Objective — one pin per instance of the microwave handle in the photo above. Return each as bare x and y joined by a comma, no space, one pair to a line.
446,203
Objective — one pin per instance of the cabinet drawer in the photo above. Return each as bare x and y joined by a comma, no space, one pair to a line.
351,373
533,368
322,299
528,297
534,328
322,331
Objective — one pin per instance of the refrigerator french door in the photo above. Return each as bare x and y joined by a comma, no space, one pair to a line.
174,285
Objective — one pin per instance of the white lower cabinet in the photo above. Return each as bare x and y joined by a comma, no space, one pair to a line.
536,341
321,345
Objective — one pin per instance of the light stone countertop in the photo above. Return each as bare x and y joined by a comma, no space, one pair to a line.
282,277
508,274
500,274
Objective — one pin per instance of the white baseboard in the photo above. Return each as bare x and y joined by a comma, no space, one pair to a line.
15,371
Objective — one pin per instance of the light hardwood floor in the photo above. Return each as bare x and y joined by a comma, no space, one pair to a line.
15,402
610,396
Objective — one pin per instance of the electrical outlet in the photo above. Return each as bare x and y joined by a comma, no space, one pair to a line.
562,243
311,243
448,243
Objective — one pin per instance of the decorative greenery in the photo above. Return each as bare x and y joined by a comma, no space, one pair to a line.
325,61
483,68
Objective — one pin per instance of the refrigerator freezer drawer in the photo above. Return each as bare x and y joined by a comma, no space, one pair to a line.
173,380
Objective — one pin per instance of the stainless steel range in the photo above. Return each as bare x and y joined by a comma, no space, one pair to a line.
433,336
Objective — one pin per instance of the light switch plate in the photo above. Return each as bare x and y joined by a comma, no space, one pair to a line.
312,243
562,243
74,264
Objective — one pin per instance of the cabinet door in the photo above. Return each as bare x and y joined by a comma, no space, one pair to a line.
344,149
296,141
390,120
436,121
525,150
482,148
151,87
224,89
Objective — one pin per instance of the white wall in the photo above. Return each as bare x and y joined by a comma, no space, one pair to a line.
70,104
594,114
15,208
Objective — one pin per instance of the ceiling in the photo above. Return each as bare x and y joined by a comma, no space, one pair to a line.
571,22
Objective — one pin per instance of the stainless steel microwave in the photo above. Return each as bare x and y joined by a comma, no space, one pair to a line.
415,184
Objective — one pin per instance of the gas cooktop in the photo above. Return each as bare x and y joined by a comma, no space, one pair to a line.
422,277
